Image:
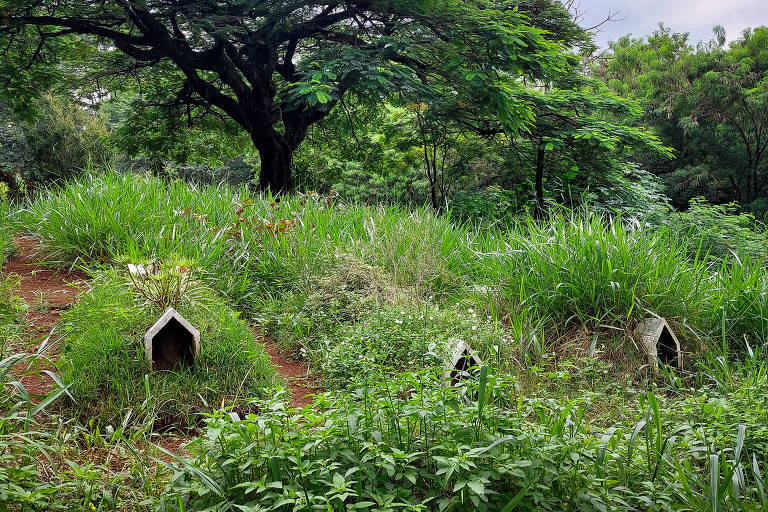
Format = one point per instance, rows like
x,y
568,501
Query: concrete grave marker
x,y
660,343
171,342
463,360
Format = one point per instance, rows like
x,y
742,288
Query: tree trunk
x,y
276,156
539,212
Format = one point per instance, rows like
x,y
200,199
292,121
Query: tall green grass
x,y
6,230
538,278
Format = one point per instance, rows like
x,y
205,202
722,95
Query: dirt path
x,y
48,293
296,374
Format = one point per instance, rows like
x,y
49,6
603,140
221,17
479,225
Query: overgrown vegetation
x,y
373,295
109,378
368,186
538,279
413,443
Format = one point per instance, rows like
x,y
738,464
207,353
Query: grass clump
x,y
45,469
104,364
7,245
12,309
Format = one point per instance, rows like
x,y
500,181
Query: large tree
x,y
709,102
277,66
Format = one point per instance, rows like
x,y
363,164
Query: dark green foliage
x,y
709,103
288,65
63,141
719,231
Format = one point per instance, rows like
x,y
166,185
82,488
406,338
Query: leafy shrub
x,y
104,364
64,140
406,444
491,205
720,231
395,339
413,443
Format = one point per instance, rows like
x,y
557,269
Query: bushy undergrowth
x,y
412,443
538,279
720,231
46,469
104,363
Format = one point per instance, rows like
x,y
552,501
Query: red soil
x,y
47,292
296,374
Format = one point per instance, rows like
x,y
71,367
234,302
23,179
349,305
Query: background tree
x,y
583,137
277,67
709,102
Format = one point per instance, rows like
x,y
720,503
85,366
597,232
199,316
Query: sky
x,y
697,17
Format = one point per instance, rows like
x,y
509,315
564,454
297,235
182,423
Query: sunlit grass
x,y
535,277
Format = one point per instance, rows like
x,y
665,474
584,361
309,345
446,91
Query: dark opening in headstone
x,y
172,346
660,343
666,349
464,363
172,342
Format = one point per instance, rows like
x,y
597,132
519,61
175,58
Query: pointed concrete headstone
x,y
660,343
462,360
171,342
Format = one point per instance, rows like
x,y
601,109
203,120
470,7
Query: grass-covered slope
x,y
105,367
567,416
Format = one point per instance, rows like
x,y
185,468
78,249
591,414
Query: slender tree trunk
x,y
539,212
756,180
748,187
276,157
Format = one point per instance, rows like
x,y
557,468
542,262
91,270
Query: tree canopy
x,y
710,102
275,67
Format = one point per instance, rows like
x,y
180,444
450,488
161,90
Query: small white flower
x,y
470,310
398,321
474,327
431,318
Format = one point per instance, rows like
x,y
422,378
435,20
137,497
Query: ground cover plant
x,y
412,443
104,365
45,467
